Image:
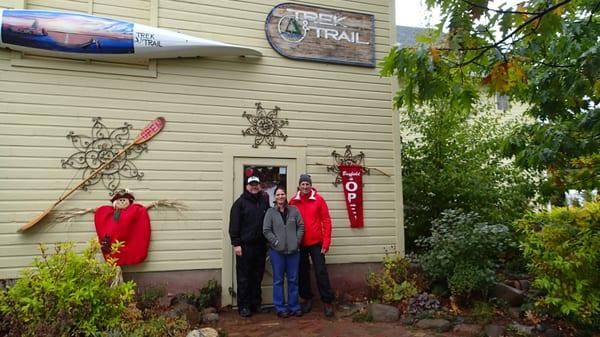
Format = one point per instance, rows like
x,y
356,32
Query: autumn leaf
x,y
435,54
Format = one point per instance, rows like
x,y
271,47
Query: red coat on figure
x,y
127,222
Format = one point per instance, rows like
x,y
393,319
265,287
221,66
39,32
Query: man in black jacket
x,y
249,245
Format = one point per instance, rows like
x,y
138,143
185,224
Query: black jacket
x,y
246,219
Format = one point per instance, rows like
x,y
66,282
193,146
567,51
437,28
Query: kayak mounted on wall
x,y
84,36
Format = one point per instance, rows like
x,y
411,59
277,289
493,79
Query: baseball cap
x,y
253,179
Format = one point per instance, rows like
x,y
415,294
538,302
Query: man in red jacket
x,y
315,243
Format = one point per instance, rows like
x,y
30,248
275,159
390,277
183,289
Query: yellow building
x,y
201,156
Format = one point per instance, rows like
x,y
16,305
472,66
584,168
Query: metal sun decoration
x,y
103,144
347,159
265,126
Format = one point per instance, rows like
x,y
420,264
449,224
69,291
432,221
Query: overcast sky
x,y
413,12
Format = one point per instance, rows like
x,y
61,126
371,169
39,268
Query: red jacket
x,y
317,221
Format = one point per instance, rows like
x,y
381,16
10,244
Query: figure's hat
x,y
124,193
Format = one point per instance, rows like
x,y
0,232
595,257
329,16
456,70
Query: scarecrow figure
x,y
123,221
126,222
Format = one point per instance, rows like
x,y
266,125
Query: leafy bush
x,y
455,162
463,250
149,297
423,303
158,325
563,248
468,278
483,312
66,294
210,295
392,284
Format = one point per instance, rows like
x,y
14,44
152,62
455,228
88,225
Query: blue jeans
x,y
285,266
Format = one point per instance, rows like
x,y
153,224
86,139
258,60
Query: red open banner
x,y
352,182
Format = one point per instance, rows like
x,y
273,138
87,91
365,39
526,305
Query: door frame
x,y
229,155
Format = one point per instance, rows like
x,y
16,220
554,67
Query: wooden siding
x,y
327,105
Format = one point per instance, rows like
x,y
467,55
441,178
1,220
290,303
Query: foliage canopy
x,y
544,53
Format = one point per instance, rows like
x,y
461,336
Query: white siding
x,y
328,106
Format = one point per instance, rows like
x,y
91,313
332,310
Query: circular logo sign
x,y
290,29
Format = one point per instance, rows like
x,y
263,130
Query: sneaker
x,y
297,313
245,312
283,314
307,306
328,310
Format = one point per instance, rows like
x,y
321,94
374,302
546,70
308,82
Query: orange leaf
x,y
435,54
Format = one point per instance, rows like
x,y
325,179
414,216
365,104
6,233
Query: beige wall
x,y
328,106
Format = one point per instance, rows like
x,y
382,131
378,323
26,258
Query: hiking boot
x,y
298,313
328,310
307,306
283,314
257,309
245,312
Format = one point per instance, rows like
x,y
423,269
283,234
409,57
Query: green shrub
x,y
66,294
483,312
453,161
468,278
149,297
154,326
392,284
463,251
210,295
563,249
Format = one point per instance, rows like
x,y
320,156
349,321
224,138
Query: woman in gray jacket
x,y
283,227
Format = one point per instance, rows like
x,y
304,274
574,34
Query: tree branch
x,y
501,11
516,30
593,11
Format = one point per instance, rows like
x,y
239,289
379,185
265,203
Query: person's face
x,y
305,187
122,203
280,197
253,188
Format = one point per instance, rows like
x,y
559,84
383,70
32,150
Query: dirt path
x,y
313,324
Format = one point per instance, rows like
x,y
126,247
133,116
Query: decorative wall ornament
x,y
347,159
265,126
100,153
95,150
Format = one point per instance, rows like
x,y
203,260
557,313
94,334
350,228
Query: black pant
x,y
250,268
318,261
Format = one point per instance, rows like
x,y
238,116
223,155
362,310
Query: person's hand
x,y
323,250
237,250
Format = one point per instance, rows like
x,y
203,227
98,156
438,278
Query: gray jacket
x,y
284,238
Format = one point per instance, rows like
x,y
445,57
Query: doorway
x,y
272,172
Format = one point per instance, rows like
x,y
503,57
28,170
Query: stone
x,y
184,310
494,330
209,310
347,310
512,296
522,329
551,332
383,312
434,324
467,330
210,317
204,332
